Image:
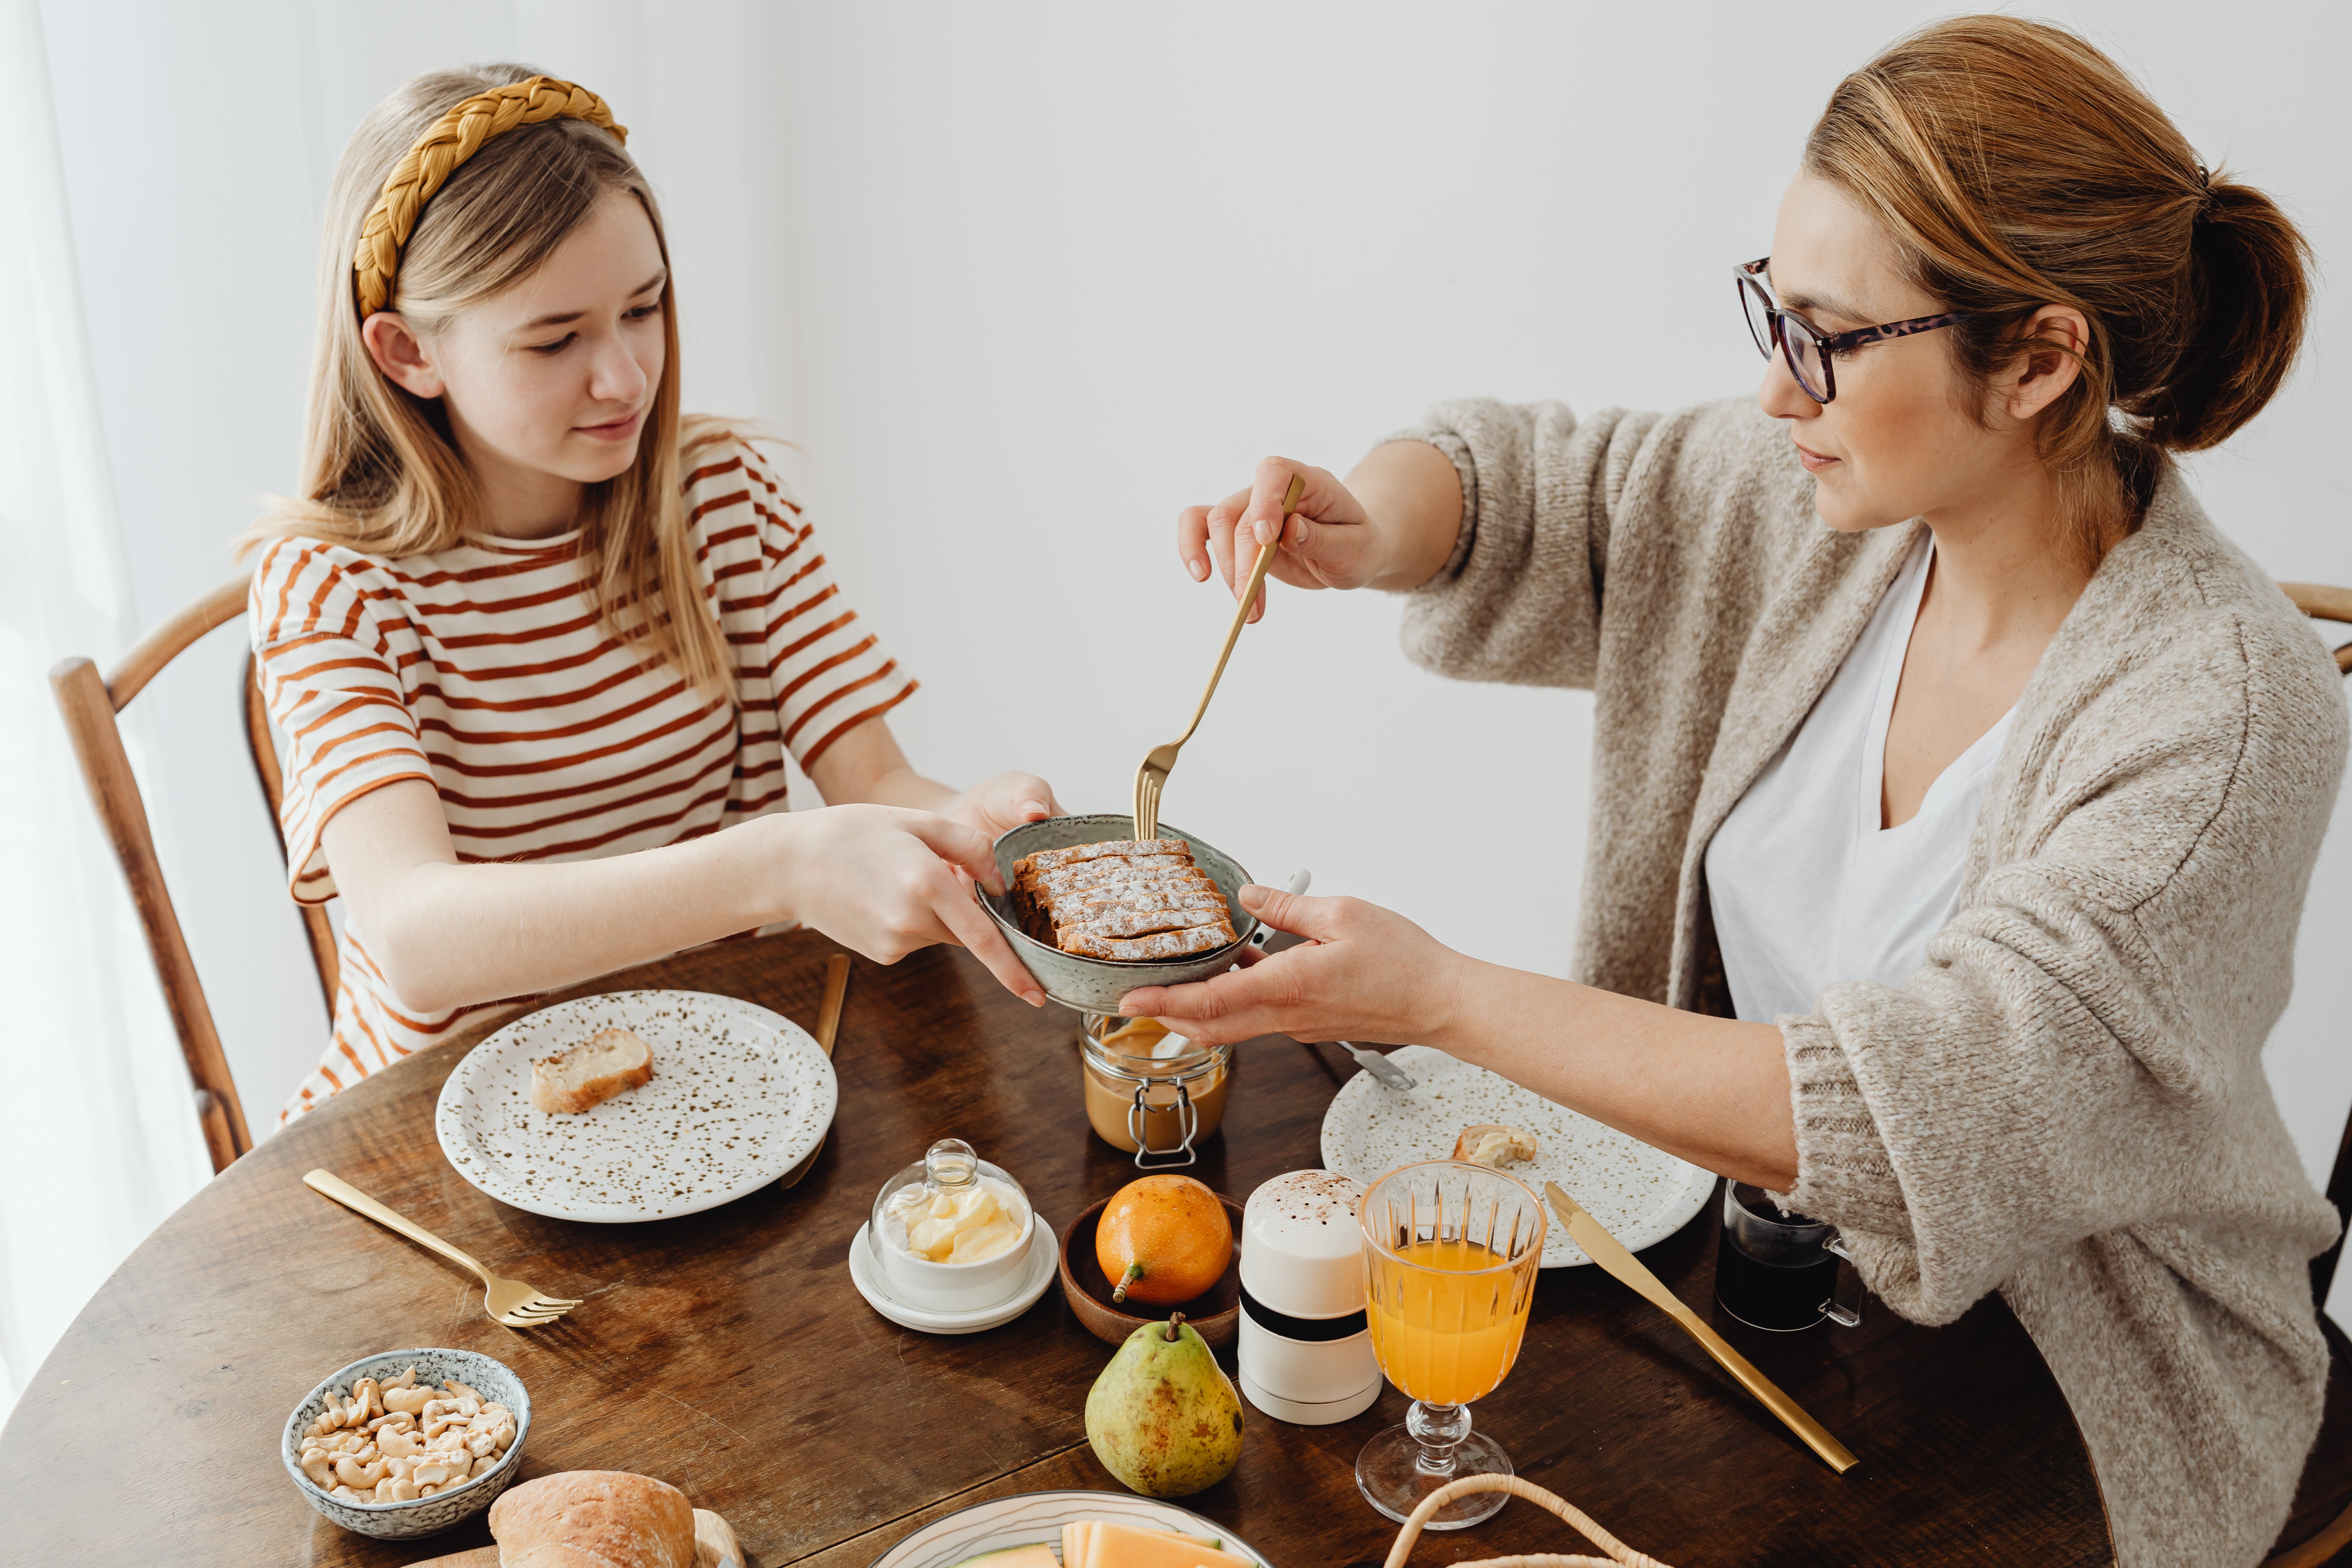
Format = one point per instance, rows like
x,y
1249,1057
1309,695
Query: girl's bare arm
x,y
882,872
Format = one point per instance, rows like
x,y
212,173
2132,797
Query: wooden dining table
x,y
728,1353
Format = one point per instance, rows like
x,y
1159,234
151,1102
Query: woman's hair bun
x,y
2250,292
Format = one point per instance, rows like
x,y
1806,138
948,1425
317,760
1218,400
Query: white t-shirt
x,y
1807,889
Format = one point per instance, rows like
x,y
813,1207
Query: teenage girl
x,y
539,645
1956,783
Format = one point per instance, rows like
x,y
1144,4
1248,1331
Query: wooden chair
x,y
90,706
2320,1528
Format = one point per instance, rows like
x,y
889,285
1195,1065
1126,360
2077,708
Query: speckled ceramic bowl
x,y
428,1515
1096,984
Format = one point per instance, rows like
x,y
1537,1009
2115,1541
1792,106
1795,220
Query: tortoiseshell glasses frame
x,y
1809,350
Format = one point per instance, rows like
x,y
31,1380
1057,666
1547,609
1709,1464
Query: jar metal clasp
x,y
1147,1158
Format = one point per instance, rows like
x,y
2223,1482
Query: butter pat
x,y
984,1220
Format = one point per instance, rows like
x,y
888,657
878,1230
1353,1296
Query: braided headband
x,y
456,137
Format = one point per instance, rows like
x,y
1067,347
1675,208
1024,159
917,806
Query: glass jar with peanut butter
x,y
1158,1096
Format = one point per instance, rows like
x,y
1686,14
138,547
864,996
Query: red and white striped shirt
x,y
485,670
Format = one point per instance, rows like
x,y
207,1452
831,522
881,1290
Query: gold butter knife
x,y
1610,1253
828,1022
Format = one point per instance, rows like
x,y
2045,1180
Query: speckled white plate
x,y
1030,1517
738,1096
1640,1195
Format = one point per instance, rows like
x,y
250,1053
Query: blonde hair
x,y
2017,166
379,470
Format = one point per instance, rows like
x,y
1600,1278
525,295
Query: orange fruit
x,y
1163,1240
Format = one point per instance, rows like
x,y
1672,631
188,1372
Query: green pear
x,y
1163,1417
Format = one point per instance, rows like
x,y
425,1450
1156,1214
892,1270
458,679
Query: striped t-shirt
x,y
485,670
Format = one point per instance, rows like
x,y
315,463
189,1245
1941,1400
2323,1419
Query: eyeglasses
x,y
1809,350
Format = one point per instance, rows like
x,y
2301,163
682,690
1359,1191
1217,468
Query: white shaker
x,y
1305,1353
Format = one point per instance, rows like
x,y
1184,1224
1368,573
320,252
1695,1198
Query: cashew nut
x,y
405,1380
315,1465
399,1443
491,1434
408,1401
352,1473
461,1391
438,1471
368,1395
349,1496
397,1490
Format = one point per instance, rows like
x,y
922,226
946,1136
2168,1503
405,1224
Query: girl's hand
x,y
1331,541
995,805
885,880
1366,973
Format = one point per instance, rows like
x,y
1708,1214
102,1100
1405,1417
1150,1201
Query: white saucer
x,y
1044,1253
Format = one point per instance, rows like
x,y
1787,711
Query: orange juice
x,y
1446,1317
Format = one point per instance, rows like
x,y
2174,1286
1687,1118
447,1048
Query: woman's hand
x,y
1391,525
886,880
995,805
1330,541
1365,974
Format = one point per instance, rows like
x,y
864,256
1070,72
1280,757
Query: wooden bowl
x,y
1216,1315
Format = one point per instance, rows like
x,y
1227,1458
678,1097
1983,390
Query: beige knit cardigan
x,y
2067,1102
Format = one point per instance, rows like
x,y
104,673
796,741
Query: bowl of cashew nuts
x,y
408,1443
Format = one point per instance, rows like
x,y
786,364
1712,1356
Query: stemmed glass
x,y
1450,1257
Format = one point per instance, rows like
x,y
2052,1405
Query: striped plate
x,y
1031,1516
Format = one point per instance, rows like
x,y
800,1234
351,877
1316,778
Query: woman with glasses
x,y
1956,783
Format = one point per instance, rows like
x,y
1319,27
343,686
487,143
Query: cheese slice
x,y
1124,1546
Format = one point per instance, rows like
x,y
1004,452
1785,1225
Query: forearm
x,y
1714,1091
866,766
446,934
1411,493
902,785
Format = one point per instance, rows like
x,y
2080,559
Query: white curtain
x,y
164,309
98,1133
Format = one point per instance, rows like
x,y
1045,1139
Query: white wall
x,y
1024,280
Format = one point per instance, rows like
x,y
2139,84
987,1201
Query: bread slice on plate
x,y
1488,1144
610,1062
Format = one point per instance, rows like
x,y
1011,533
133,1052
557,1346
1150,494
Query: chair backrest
x,y
2322,602
90,705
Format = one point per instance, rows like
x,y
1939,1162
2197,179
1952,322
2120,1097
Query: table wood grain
x,y
727,1352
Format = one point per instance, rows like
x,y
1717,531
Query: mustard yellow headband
x,y
456,137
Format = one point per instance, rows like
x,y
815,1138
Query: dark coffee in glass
x,y
1773,1270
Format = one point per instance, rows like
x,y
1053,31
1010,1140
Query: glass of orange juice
x,y
1450,1257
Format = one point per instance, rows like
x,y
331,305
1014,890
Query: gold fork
x,y
509,1301
1152,776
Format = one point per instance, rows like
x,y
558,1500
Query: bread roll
x,y
593,1518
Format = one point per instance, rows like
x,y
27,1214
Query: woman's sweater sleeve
x,y
1519,600
2085,1006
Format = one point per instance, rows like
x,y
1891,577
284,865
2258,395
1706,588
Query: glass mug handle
x,y
1844,1317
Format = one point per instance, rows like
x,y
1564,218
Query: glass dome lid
x,y
950,1207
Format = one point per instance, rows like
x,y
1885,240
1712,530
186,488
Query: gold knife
x,y
1610,1253
829,1021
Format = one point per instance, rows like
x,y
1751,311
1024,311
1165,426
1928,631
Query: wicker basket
x,y
1620,1554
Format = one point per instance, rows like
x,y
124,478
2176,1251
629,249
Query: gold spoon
x,y
1152,776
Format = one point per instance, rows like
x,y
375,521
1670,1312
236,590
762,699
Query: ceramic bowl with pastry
x,y
1093,914
408,1443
